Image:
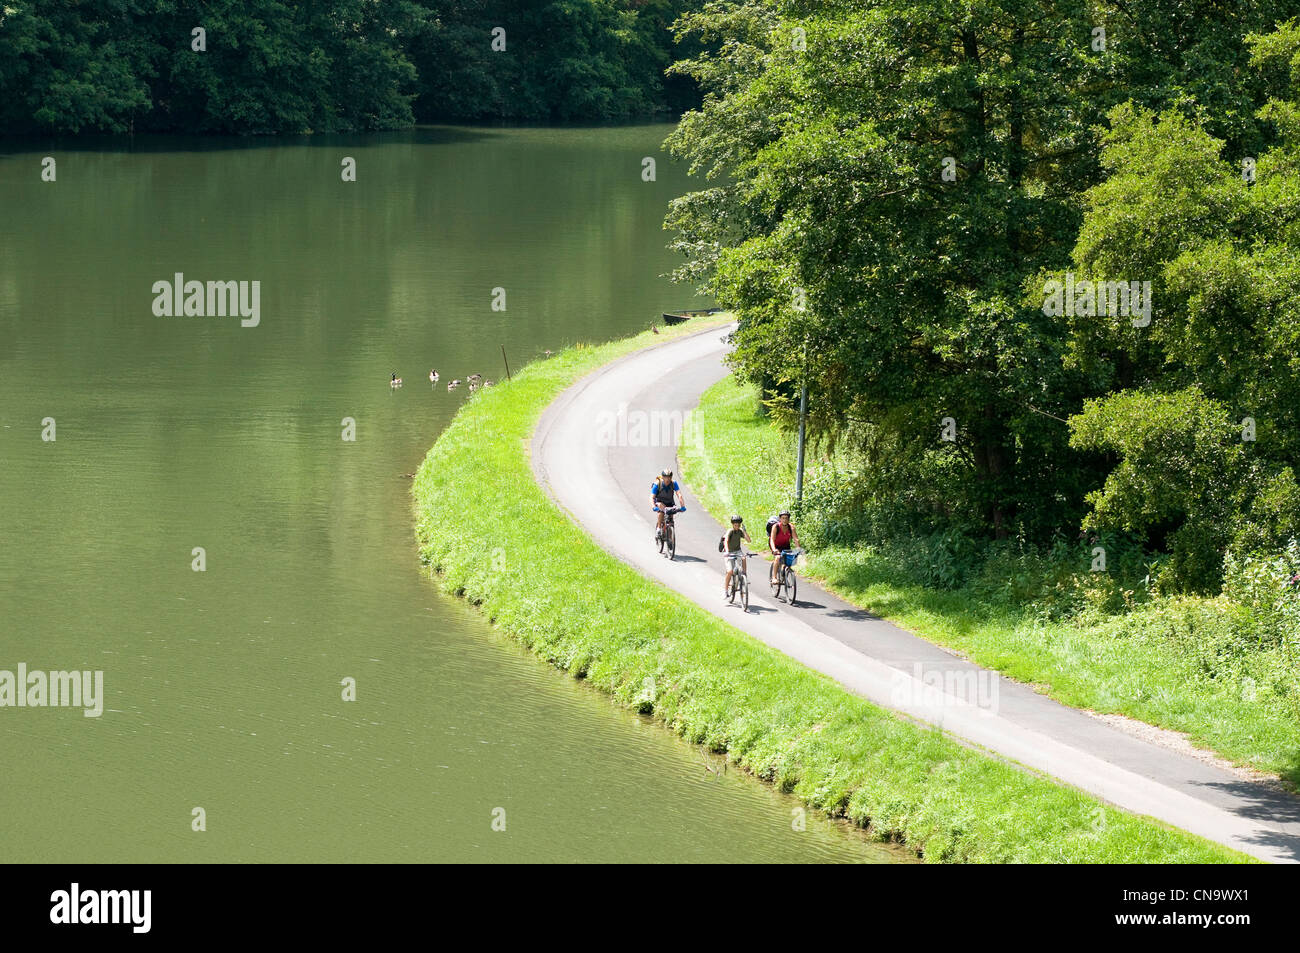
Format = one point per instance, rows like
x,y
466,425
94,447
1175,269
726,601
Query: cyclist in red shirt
x,y
781,539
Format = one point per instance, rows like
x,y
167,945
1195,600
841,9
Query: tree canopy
x,y
894,187
324,65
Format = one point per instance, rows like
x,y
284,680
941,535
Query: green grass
x,y
490,534
1167,663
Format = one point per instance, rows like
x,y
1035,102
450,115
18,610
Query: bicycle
x,y
739,578
667,538
785,577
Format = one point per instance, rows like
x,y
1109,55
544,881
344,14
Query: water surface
x,y
223,686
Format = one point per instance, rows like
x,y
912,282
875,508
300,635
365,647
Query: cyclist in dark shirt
x,y
735,535
665,492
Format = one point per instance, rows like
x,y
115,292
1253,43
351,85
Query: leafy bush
x,y
1231,648
1186,483
1266,585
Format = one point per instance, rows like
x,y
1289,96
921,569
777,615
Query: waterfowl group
x,y
475,381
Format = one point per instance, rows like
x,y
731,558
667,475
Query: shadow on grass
x,y
1291,771
856,574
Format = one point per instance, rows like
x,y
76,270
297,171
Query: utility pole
x,y
803,423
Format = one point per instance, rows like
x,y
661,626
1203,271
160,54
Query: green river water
x,y
222,687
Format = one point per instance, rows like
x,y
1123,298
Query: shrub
x,y
1265,586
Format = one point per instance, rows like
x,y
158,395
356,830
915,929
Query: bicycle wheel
x,y
792,581
671,535
744,593
731,590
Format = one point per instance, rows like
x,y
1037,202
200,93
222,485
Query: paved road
x,y
582,455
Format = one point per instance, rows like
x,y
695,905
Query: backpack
x,y
772,521
722,544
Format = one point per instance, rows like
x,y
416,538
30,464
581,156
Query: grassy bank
x,y
1193,665
490,534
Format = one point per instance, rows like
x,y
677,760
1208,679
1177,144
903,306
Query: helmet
x,y
737,519
783,513
665,472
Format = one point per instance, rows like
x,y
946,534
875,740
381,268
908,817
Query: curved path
x,y
581,457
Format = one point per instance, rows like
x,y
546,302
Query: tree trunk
x,y
992,464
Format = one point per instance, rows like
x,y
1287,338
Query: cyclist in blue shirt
x,y
665,492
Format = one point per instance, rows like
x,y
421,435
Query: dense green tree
x,y
1189,55
319,65
907,165
1200,409
1185,481
904,295
287,66
63,69
563,59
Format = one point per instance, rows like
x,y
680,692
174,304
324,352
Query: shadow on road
x,y
855,615
1265,803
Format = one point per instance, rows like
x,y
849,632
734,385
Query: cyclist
x,y
663,493
734,537
780,539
